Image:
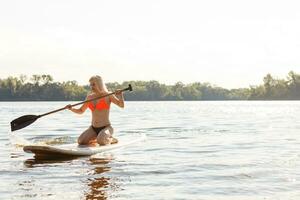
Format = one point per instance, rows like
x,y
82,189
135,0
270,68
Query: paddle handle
x,y
76,104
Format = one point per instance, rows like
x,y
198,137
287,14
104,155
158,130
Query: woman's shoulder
x,y
90,96
104,93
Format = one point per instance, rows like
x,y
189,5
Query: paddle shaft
x,y
76,104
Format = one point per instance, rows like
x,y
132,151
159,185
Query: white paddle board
x,y
75,150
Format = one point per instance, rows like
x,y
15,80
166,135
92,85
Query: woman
x,y
100,131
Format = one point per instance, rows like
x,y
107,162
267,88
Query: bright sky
x,y
232,43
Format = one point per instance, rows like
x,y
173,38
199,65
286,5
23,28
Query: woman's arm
x,y
80,110
118,99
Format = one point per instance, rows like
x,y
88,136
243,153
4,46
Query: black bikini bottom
x,y
98,129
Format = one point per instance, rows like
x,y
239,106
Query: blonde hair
x,y
99,81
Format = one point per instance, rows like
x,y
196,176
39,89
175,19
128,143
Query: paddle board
x,y
75,150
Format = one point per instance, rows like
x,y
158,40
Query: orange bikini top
x,y
101,105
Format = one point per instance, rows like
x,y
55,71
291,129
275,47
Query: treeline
x,y
44,88
277,89
39,88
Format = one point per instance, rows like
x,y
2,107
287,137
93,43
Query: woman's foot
x,y
114,140
93,143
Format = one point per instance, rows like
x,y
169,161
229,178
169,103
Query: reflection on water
x,y
34,162
97,186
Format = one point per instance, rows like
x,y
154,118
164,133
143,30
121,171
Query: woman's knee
x,y
81,141
103,139
86,137
105,136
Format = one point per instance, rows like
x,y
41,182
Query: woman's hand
x,y
69,106
118,98
118,92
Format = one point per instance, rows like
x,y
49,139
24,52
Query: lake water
x,y
194,150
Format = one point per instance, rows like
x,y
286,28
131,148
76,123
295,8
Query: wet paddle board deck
x,y
75,150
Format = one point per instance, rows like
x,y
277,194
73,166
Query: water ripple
x,y
195,150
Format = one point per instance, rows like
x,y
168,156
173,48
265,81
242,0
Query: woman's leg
x,y
105,136
87,137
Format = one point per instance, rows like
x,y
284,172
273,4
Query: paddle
x,y
26,120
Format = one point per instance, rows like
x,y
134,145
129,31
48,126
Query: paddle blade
x,y
22,122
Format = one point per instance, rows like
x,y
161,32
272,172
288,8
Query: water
x,y
194,150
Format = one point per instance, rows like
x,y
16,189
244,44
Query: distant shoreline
x,y
44,88
154,100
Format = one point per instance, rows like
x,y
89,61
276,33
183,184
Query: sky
x,y
232,43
